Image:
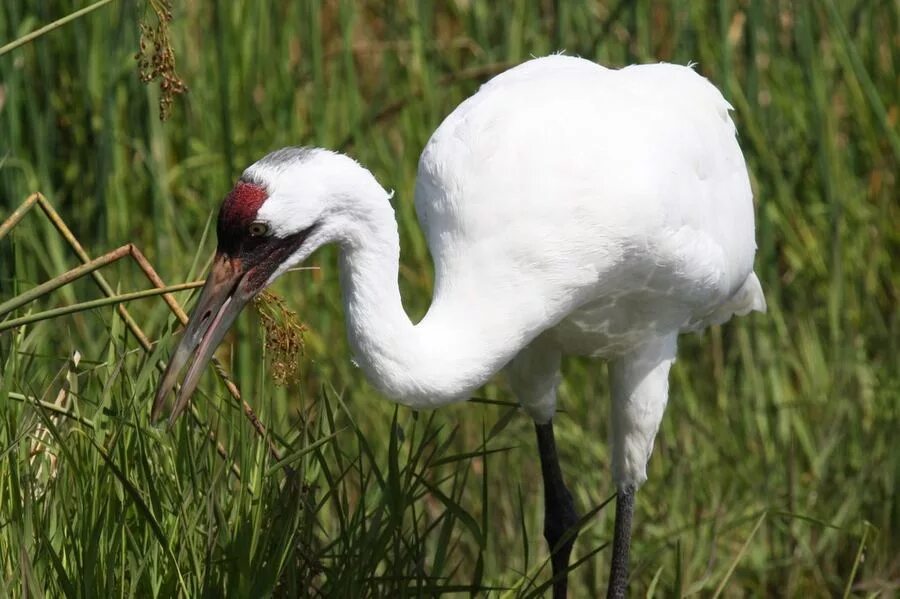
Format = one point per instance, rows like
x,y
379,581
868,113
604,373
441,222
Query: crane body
x,y
569,209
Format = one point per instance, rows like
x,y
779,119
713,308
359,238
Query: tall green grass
x,y
776,466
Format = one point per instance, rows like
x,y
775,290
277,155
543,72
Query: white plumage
x,y
569,209
607,210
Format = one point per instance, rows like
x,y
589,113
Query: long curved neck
x,y
454,350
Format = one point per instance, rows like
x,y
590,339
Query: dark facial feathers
x,y
237,213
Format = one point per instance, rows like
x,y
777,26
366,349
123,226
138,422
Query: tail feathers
x,y
748,298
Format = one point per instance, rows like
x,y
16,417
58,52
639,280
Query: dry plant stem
x,y
90,305
154,278
29,37
63,279
50,407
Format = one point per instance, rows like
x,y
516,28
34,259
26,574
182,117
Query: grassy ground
x,y
776,466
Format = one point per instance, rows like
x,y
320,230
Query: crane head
x,y
282,209
249,256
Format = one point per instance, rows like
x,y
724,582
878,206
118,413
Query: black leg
x,y
560,516
618,570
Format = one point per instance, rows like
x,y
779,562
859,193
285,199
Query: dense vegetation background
x,y
776,466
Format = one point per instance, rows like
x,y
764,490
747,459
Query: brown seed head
x,y
284,337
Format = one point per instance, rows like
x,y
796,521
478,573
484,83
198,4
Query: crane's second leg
x,y
560,517
640,390
618,569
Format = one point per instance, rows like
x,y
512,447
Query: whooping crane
x,y
568,208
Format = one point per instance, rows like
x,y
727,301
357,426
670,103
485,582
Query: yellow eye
x,y
258,229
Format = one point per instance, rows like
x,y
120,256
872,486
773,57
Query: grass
x,y
776,465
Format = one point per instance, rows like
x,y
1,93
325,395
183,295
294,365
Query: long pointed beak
x,y
220,302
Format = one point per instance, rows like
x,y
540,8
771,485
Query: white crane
x,y
568,208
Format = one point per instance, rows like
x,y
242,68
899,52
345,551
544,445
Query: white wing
x,y
563,182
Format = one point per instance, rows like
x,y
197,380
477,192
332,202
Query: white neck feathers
x,y
440,360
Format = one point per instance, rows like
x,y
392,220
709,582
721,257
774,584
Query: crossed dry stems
x,y
92,267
